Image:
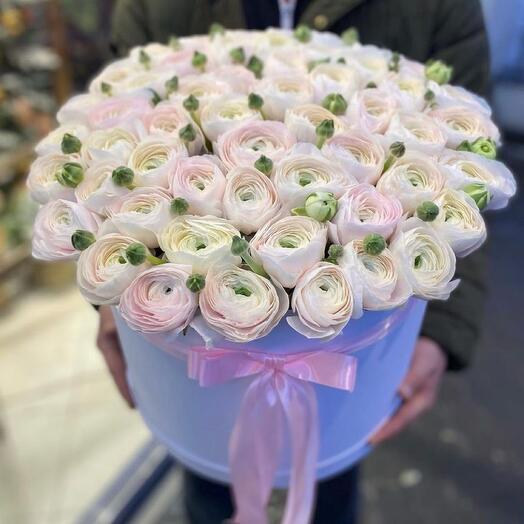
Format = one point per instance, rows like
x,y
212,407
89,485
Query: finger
x,y
407,413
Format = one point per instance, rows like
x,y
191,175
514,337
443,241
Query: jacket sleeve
x,y
128,26
460,40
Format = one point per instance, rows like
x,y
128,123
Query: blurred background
x,y
70,451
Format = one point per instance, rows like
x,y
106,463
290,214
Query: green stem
x,y
320,142
389,162
256,268
155,261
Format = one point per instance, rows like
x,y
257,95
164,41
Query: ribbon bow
x,y
280,396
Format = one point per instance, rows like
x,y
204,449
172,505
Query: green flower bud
x,y
187,133
394,63
350,36
302,33
174,43
82,239
429,95
335,251
255,101
396,150
199,60
171,85
324,131
371,85
179,206
321,206
155,97
70,175
136,253
106,88
70,144
239,246
256,66
335,103
196,283
428,211
314,63
341,60
479,193
264,164
439,72
374,244
216,29
238,55
191,103
485,147
144,59
123,176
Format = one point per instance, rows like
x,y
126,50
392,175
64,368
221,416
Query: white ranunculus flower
x,y
54,225
77,109
379,278
408,89
372,110
427,260
225,113
42,182
372,61
239,78
243,145
448,95
464,124
418,132
459,222
158,300
250,199
199,242
303,120
284,92
201,182
462,168
103,272
97,191
359,153
112,80
152,157
204,87
241,305
334,78
304,171
52,142
363,210
288,247
413,179
322,301
119,110
140,214
114,143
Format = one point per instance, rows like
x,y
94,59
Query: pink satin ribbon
x,y
281,396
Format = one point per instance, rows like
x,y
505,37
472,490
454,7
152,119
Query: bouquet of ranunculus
x,y
234,176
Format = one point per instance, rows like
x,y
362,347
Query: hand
x,y
109,344
418,390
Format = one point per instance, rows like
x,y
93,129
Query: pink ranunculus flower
x,y
52,142
140,214
250,199
243,145
371,109
323,302
77,109
241,305
303,120
363,210
158,300
288,247
334,78
359,153
200,180
103,271
114,143
54,225
118,110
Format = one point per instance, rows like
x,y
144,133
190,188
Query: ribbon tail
x,y
254,450
299,402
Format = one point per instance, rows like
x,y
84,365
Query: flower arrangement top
x,y
229,180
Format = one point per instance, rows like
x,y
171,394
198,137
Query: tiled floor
x,y
64,432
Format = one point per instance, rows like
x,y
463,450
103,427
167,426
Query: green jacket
x,y
452,30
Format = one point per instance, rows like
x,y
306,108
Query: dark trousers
x,y
207,502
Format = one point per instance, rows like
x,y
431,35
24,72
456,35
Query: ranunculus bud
x,y
371,85
174,43
70,144
238,55
439,72
144,59
350,36
428,211
123,176
335,103
256,66
374,244
188,133
171,85
136,253
324,131
70,175
479,193
196,282
302,33
485,147
335,251
191,103
106,88
199,61
179,206
216,29
396,150
264,164
255,101
321,206
240,248
394,63
82,239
